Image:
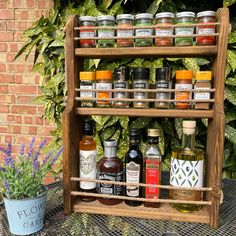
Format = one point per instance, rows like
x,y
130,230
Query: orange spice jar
x,y
183,81
104,82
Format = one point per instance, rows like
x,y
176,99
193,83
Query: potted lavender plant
x,y
23,191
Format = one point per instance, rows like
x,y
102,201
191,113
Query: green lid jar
x,y
185,17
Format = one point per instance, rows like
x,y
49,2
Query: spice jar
x,y
87,34
140,81
87,81
123,21
204,18
164,19
121,81
163,81
104,82
185,17
103,22
183,81
202,81
143,19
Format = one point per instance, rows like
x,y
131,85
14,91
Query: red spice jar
x,y
203,18
87,34
164,19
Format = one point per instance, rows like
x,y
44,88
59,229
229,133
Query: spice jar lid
x,y
185,14
141,73
103,74
154,132
87,75
143,16
106,17
163,73
184,74
203,75
87,18
124,17
121,73
206,13
165,14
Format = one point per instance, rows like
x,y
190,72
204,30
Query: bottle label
x,y
87,34
85,94
143,32
186,173
132,176
152,173
87,168
201,96
184,31
110,188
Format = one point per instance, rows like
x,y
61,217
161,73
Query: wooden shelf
x,y
145,112
187,51
165,212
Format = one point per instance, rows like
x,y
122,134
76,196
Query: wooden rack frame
x,y
215,138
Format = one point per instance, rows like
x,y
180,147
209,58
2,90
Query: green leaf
x,y
230,133
136,63
232,37
178,127
228,3
107,133
105,4
89,4
153,8
231,81
191,64
111,121
57,43
99,147
202,61
115,8
231,58
230,116
141,122
116,135
230,94
101,120
124,121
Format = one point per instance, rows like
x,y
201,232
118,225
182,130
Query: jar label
x,y
164,31
202,95
207,31
132,176
106,33
85,94
87,168
143,32
183,31
140,85
110,188
121,85
183,95
162,95
106,94
87,34
152,174
185,173
124,33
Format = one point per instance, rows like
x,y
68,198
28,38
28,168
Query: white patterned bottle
x,y
187,170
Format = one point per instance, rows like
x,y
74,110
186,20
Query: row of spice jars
x,y
104,81
165,19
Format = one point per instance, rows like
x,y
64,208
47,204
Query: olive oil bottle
x,y
187,168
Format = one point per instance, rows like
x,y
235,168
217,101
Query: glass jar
x,y
87,34
103,22
185,17
163,81
123,21
164,19
204,18
140,81
183,81
121,81
87,81
143,19
104,82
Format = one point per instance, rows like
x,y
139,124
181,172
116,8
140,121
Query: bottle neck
x,y
188,141
110,152
134,144
153,140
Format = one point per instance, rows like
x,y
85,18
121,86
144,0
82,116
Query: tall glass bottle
x,y
152,167
87,160
133,168
187,167
110,168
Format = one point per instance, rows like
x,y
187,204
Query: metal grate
x,y
118,226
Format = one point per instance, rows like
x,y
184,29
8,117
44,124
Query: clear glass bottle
x,y
152,167
106,21
143,19
110,168
123,21
185,17
133,167
87,160
187,170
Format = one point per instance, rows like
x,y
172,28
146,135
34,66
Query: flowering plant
x,y
23,176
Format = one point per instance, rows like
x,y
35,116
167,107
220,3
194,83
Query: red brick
x,y
6,36
6,99
3,4
14,47
3,26
8,139
11,118
19,37
10,57
18,119
24,139
6,14
4,109
16,129
7,78
11,26
25,99
11,68
4,129
41,109
39,121
23,89
3,47
28,120
32,130
2,68
31,3
23,15
21,109
44,131
4,89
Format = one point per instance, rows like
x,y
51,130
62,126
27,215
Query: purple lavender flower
x,y
2,169
4,150
6,184
9,149
22,149
35,165
31,148
9,161
47,157
54,159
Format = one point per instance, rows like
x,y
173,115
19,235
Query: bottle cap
x,y
88,126
121,73
184,74
87,75
103,74
153,132
206,13
185,14
189,126
164,73
110,143
203,75
141,73
165,14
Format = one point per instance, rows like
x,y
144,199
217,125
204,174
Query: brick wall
x,y
20,119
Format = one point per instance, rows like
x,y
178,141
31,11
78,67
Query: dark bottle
x,y
110,168
133,168
152,167
87,160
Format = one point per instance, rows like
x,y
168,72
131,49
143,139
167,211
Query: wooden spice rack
x,y
73,113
